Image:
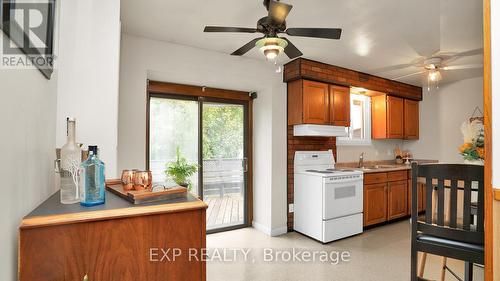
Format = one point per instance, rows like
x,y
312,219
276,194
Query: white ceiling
x,y
377,34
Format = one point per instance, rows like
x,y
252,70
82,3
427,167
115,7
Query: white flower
x,y
472,130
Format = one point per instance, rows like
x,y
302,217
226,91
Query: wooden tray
x,y
140,197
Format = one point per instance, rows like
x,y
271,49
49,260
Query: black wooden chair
x,y
459,240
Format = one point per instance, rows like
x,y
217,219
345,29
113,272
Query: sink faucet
x,y
361,157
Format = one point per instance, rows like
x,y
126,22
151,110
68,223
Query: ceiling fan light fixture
x,y
434,75
271,47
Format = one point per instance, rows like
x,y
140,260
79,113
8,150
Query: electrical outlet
x,y
290,208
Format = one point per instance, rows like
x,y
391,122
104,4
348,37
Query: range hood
x,y
319,131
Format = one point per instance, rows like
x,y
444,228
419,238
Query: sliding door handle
x,y
244,164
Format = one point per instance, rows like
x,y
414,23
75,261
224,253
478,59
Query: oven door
x,y
342,197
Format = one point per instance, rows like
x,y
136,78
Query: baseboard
x,y
267,230
279,231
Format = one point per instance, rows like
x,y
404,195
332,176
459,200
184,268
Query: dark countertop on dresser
x,y
53,212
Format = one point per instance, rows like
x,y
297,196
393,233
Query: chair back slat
x,y
453,204
440,203
428,201
444,183
480,211
467,204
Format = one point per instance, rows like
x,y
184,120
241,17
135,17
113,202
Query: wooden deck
x,y
224,211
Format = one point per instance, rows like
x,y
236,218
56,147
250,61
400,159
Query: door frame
x,y
205,94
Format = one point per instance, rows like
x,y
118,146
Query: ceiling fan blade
x,y
408,75
247,47
464,66
391,68
474,52
291,51
450,56
278,11
327,33
229,29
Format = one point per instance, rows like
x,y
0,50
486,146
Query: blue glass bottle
x,y
92,189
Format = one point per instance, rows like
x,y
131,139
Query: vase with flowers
x,y
473,147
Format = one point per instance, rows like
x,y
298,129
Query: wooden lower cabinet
x,y
375,203
385,196
397,199
121,249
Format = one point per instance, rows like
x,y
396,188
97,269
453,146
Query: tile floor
x,y
382,253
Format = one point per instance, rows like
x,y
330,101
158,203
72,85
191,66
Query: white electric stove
x,y
328,202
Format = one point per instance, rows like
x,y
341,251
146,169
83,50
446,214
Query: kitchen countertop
x,y
396,167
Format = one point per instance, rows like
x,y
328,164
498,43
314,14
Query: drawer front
x,y
342,227
371,178
397,175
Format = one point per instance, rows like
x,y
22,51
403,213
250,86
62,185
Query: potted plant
x,y
180,170
473,148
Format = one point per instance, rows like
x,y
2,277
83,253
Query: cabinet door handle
x,y
86,278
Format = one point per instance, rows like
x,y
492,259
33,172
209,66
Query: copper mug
x,y
143,180
128,179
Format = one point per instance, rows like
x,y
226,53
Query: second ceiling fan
x,y
270,44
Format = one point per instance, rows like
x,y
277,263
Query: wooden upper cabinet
x,y
388,117
411,119
379,117
395,117
340,106
308,103
316,103
311,102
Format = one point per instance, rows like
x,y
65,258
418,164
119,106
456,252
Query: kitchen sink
x,y
375,167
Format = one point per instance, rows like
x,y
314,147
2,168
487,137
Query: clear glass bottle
x,y
71,158
92,189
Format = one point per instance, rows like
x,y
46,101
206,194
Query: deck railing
x,y
220,176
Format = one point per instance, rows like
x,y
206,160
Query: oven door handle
x,y
331,181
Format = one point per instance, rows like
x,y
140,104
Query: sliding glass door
x,y
224,163
211,134
173,131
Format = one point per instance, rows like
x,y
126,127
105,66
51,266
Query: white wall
x,y
27,123
279,158
495,116
441,116
377,150
143,59
495,72
88,64
84,84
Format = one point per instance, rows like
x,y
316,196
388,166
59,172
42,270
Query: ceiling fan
x,y
270,44
436,63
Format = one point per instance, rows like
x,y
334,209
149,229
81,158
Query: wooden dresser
x,y
115,241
